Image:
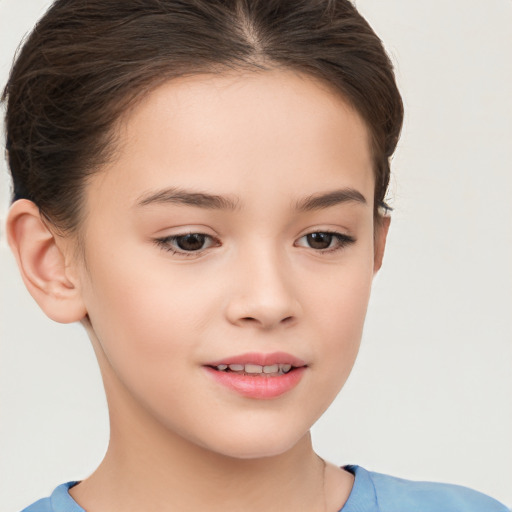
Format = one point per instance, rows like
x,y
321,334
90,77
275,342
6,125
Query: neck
x,y
178,476
192,479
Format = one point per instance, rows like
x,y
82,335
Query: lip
x,y
259,387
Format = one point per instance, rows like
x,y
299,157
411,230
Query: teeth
x,y
256,369
253,368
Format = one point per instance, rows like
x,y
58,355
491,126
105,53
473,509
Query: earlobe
x,y
381,233
42,264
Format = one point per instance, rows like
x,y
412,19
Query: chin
x,y
256,444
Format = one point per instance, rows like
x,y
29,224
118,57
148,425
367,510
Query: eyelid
x,y
165,243
343,239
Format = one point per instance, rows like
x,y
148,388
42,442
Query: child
x,y
201,184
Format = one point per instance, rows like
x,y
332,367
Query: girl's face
x,y
235,227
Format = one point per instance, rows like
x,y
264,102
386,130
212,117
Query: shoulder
x,y
59,501
398,495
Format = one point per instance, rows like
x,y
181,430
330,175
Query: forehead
x,y
233,132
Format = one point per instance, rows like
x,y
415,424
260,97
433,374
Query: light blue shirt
x,y
372,492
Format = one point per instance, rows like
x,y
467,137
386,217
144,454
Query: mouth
x,y
258,376
256,370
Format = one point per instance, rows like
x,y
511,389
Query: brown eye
x,y
319,240
191,242
325,241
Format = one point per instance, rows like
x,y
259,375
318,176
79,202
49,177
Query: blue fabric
x,y
59,501
372,492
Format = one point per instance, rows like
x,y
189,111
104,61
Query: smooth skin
x,y
158,306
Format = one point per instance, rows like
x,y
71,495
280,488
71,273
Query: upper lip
x,y
260,359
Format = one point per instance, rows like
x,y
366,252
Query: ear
x,y
381,232
43,263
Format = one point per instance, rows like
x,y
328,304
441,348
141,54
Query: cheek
x,y
141,313
145,336
339,310
339,294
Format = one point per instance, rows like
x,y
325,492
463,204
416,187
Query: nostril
x,y
285,320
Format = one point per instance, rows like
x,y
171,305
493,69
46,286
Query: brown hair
x,y
86,61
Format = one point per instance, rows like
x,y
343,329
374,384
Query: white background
x,y
431,394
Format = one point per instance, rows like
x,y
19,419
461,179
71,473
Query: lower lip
x,y
260,387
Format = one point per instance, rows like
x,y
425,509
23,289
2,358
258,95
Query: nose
x,y
262,292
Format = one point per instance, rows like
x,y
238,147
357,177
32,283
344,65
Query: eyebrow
x,y
189,198
216,202
328,199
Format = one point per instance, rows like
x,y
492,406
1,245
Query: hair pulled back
x,y
87,61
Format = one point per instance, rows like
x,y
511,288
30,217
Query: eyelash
x,y
342,241
165,242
